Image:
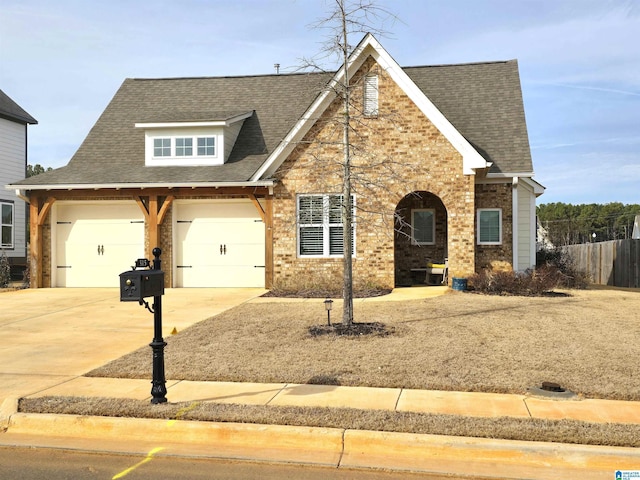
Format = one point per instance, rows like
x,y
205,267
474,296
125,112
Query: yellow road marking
x,y
147,459
182,411
150,455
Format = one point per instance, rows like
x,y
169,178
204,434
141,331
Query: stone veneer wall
x,y
403,152
497,257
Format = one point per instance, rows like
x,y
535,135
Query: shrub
x,y
5,271
560,259
329,286
26,276
530,283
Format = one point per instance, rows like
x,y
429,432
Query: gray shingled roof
x,y
10,110
483,101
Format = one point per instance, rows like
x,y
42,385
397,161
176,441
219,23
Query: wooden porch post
x,y
35,245
38,210
153,225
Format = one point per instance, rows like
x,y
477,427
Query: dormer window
x,y
161,147
207,146
191,143
184,147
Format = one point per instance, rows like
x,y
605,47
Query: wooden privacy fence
x,y
615,263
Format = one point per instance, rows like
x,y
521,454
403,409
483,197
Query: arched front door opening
x,y
420,236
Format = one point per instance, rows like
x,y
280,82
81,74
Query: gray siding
x,y
13,138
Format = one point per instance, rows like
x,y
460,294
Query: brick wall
x,y
400,152
497,257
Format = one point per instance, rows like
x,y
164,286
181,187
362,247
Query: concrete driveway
x,y
50,336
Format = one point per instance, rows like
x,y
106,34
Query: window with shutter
x,y
320,230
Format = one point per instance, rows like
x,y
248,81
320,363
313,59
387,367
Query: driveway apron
x,y
50,336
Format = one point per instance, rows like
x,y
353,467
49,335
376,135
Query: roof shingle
x,y
482,100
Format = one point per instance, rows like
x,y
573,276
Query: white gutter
x,y
509,175
143,186
21,192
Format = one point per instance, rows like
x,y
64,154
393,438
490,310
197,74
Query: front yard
x,y
587,341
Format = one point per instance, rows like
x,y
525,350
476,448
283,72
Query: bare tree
x,y
345,19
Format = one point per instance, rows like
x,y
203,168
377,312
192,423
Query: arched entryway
x,y
420,235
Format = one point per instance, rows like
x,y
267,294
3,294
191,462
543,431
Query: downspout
x,y
514,222
27,210
533,233
21,194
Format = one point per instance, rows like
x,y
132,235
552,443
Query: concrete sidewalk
x,y
333,447
364,398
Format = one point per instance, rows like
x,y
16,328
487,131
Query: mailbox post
x,y
136,285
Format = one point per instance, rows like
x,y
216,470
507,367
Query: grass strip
x,y
507,428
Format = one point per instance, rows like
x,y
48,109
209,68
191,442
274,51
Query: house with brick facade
x,y
238,179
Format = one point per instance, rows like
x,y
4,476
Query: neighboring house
x,y
233,178
543,242
13,167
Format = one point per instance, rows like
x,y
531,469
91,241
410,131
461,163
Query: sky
x,y
579,66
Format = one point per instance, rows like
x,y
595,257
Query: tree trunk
x,y
347,209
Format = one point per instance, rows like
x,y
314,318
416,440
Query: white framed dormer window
x,y
423,226
181,148
161,147
184,147
6,214
320,229
370,95
207,146
489,226
191,143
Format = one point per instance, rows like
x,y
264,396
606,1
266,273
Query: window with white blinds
x,y
320,229
371,95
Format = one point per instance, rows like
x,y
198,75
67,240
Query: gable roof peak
x,y
10,110
369,46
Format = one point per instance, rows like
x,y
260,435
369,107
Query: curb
x,y
487,458
8,408
338,448
273,443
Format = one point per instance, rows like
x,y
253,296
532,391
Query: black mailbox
x,y
138,284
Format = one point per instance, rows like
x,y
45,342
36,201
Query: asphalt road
x,y
51,464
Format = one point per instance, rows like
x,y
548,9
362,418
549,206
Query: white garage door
x,y
96,242
218,244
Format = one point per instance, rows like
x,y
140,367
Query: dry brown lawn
x,y
587,341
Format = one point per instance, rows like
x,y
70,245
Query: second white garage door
x,y
218,244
